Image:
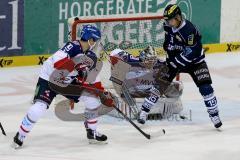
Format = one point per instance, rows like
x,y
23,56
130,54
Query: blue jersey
x,y
133,61
126,57
72,48
183,45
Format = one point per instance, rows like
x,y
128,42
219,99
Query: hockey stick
x,y
92,88
3,132
130,101
148,136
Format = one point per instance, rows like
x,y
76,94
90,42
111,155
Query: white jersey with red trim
x,y
71,52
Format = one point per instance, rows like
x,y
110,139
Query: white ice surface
x,y
53,139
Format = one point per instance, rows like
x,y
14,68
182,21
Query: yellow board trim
x,y
222,47
16,61
32,60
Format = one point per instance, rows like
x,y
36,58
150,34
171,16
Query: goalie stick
x,y
148,136
3,132
130,101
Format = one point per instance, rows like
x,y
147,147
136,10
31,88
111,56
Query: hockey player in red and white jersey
x,y
66,58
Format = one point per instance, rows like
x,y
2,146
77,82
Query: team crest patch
x,y
190,39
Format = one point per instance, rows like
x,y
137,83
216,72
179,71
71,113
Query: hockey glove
x,y
182,60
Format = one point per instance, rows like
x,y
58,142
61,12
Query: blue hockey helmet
x,y
90,31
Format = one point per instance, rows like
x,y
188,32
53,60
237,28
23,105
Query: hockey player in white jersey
x,y
44,94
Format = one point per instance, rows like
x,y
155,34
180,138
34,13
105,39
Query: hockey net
x,y
132,34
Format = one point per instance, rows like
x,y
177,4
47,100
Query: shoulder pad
x,y
93,56
72,48
189,33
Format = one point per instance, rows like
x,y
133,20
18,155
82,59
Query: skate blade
x,y
219,129
15,146
94,141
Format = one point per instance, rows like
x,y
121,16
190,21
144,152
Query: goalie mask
x,y
148,57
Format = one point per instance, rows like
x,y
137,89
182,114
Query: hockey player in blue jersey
x,y
184,55
44,94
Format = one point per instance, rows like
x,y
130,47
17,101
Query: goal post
x,y
132,34
102,20
129,33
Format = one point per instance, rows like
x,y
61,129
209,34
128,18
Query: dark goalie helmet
x,y
171,11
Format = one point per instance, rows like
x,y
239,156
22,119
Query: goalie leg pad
x,y
151,100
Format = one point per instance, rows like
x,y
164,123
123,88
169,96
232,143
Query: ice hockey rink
x,y
192,139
